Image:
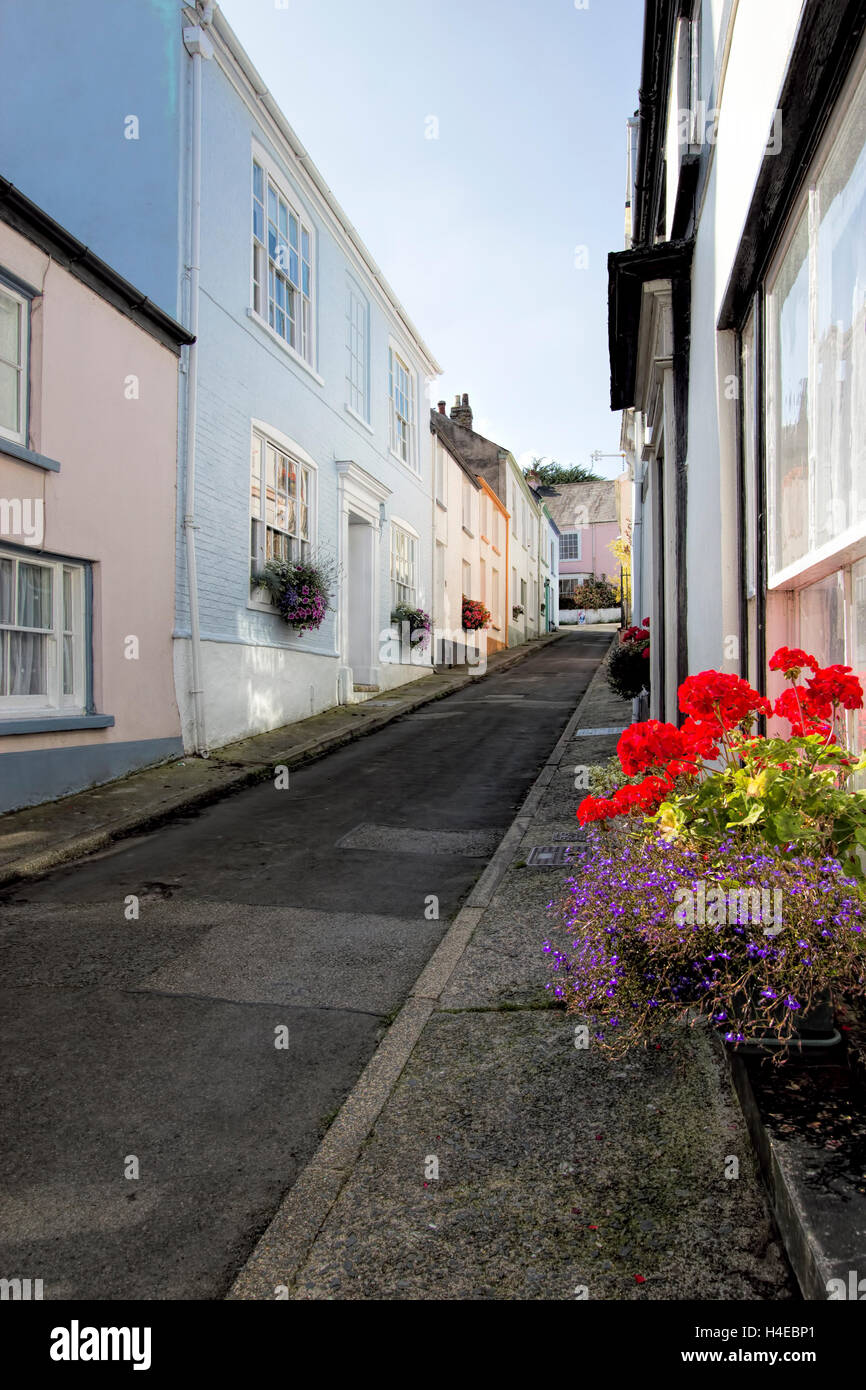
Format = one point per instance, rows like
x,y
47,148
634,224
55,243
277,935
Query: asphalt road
x,y
205,1043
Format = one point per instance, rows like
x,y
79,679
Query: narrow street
x,y
206,1043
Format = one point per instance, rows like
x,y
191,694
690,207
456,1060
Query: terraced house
x,y
302,424
738,336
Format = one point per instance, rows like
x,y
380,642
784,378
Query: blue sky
x,y
476,230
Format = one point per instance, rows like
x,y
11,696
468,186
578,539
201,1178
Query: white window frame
x,y
54,700
306,475
468,519
402,428
357,351
568,536
264,266
403,566
20,366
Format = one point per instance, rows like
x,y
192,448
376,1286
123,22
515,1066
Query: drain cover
x,y
550,856
593,733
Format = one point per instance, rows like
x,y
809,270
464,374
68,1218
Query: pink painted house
x,y
88,455
586,516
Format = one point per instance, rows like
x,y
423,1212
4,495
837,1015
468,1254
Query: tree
x,y
553,472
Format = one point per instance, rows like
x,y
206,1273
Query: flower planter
x,y
815,1035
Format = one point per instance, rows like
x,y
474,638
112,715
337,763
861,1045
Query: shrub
x,y
596,593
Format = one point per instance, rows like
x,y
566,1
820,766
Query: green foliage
x,y
596,593
792,794
551,473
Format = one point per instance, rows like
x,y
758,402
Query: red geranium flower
x,y
791,660
833,685
723,700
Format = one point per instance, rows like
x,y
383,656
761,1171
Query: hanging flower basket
x,y
300,589
419,622
475,615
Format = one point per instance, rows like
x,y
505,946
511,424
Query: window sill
x,y
469,533
360,419
17,451
443,506
286,347
55,723
415,472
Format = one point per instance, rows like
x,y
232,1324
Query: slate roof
x,y
563,499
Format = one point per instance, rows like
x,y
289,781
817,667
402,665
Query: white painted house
x,y
738,332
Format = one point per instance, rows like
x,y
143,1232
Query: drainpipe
x,y
199,46
638,467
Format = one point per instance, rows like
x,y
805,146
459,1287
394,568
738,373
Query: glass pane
x,y
272,205
858,641
822,619
272,241
258,221
748,447
28,664
306,284
788,404
293,231
839,392
34,596
68,601
258,181
9,415
305,244
293,267
7,591
68,665
284,216
10,311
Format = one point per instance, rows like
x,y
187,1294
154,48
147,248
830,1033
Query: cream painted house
x,y
513,529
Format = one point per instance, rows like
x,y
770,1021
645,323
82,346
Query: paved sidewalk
x,y
38,838
482,1156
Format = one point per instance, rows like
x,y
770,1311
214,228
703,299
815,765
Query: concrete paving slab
x,y
321,960
556,1170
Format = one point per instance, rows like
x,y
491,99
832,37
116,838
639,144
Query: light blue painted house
x,y
150,135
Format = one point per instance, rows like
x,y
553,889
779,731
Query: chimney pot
x,y
441,405
461,411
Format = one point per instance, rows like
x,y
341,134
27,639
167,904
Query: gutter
x,y
18,212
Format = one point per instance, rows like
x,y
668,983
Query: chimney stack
x,y
441,405
461,411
